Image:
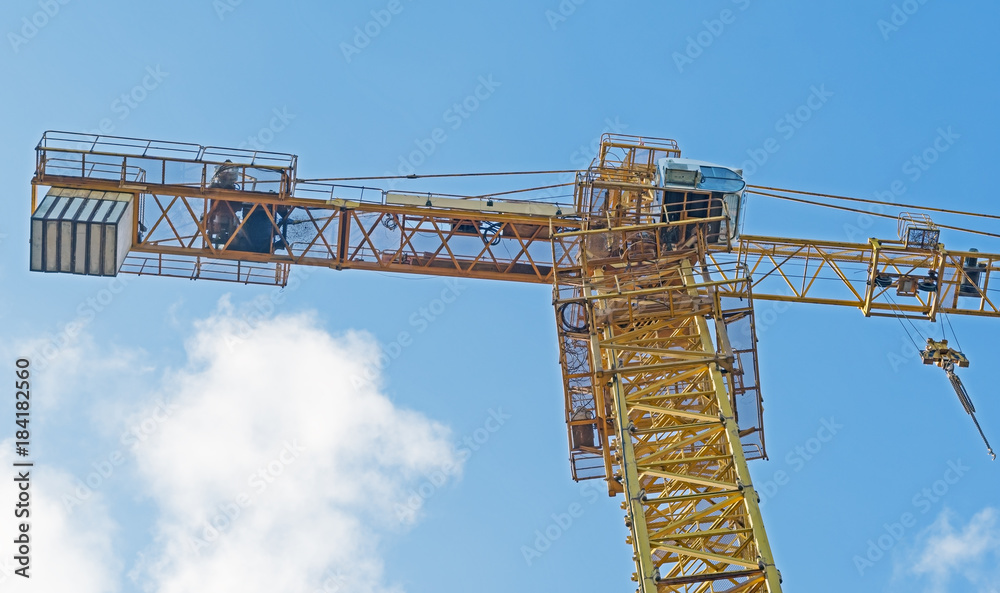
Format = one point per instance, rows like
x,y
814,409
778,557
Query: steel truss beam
x,y
663,412
652,381
867,275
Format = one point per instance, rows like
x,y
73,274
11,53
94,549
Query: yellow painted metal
x,y
650,375
750,498
343,232
837,273
675,448
660,405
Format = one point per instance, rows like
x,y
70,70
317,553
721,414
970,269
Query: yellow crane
x,y
653,293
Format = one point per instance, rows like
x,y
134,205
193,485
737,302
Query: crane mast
x,y
653,291
639,291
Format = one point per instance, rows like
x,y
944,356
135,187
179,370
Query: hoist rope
x,y
441,175
859,211
899,317
880,202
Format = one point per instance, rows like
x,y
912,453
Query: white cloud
x,y
947,555
279,469
68,552
69,367
339,463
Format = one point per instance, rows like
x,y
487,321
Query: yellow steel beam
x,y
743,471
794,270
670,448
648,407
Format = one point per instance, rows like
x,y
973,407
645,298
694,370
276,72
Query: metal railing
x,y
133,160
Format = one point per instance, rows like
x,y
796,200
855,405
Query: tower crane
x,y
653,282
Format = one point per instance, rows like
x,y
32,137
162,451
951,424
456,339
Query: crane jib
x,y
653,291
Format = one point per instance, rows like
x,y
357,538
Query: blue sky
x,y
230,379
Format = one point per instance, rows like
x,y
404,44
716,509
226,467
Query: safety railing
x,y
133,160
